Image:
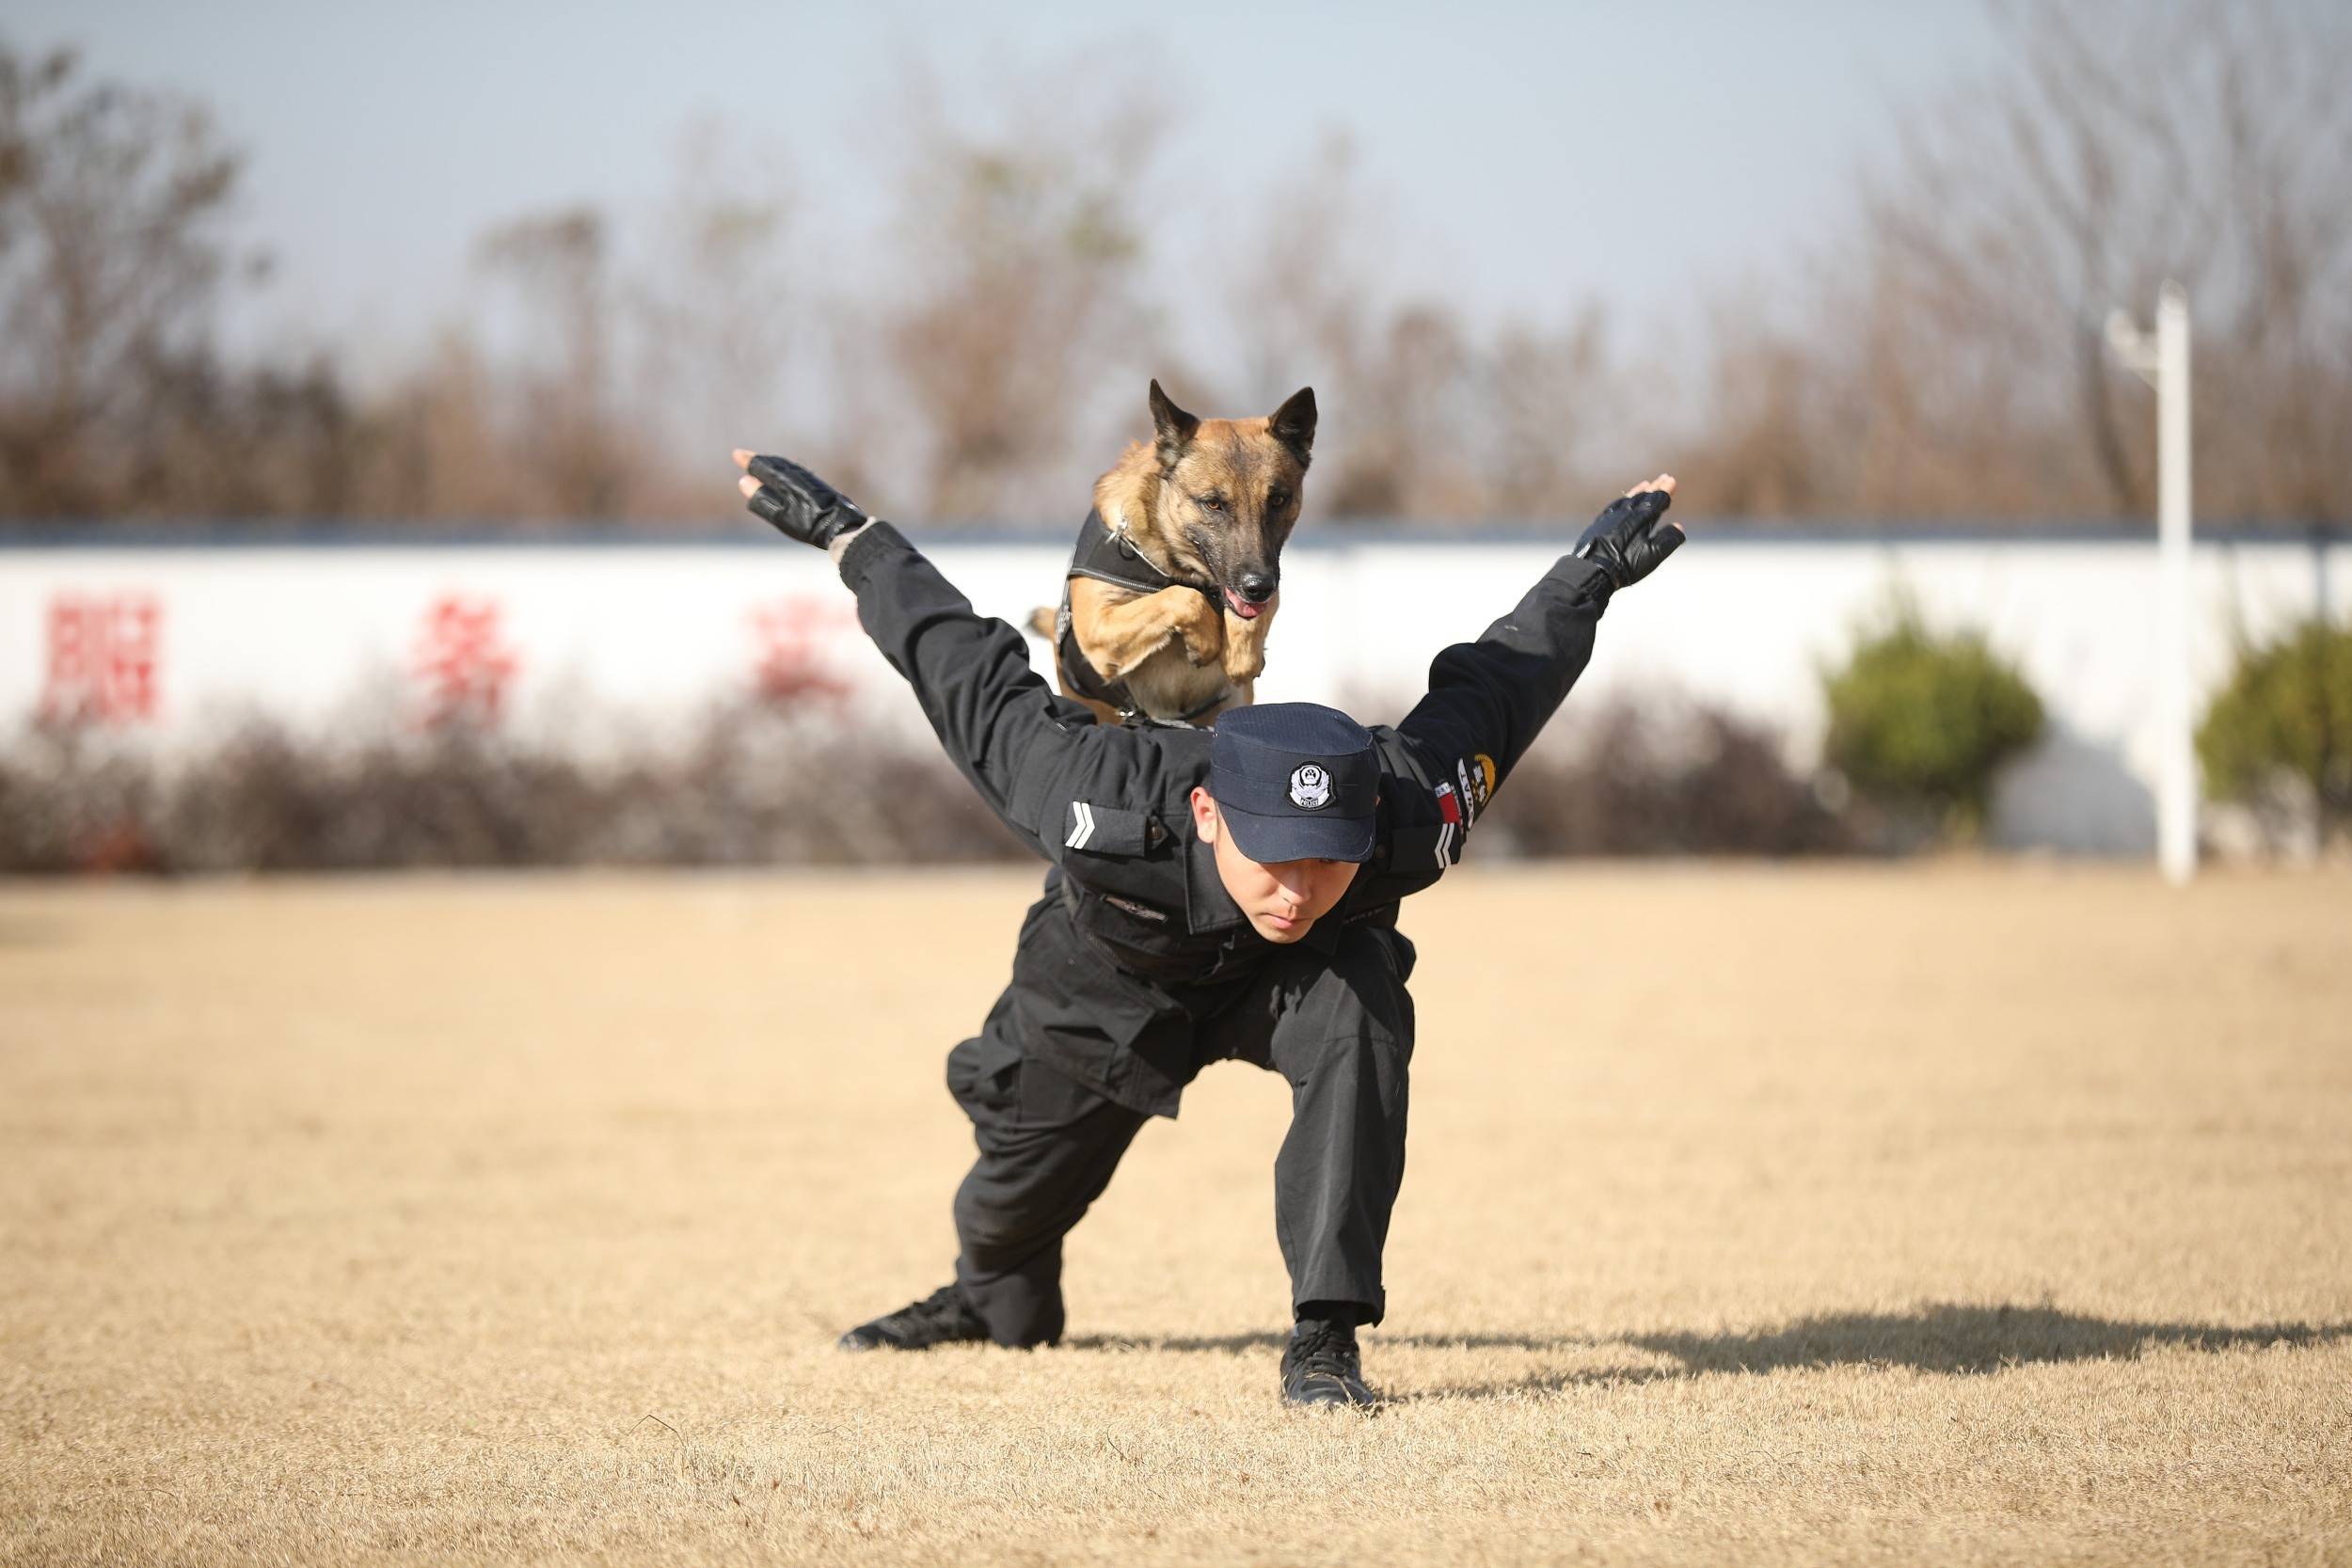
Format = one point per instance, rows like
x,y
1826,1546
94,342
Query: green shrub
x,y
2286,715
1918,722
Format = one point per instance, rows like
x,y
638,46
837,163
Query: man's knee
x,y
1367,1071
1356,1013
1032,1184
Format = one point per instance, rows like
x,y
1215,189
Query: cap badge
x,y
1311,786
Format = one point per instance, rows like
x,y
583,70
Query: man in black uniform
x,y
1213,894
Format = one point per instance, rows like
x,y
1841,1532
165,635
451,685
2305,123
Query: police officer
x,y
1213,894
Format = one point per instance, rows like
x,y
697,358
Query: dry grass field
x,y
1956,1213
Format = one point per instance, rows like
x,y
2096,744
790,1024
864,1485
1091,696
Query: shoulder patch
x,y
1428,845
1106,830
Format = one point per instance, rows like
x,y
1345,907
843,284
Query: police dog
x,y
1177,573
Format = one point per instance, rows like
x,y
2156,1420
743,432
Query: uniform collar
x,y
1324,935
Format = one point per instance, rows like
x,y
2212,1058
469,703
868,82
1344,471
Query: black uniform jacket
x,y
1124,965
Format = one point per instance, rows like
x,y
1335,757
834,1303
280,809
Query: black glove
x,y
1627,541
801,505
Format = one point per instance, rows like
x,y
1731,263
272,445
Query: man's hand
x,y
801,505
1628,540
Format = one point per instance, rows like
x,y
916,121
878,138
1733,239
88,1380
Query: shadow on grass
x,y
1963,1341
1941,1337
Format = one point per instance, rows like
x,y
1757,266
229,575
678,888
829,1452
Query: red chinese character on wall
x,y
463,661
101,659
792,667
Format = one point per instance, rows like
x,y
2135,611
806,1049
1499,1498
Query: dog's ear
x,y
1175,427
1294,425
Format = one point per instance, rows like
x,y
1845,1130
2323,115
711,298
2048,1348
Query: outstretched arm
x,y
1027,751
1488,699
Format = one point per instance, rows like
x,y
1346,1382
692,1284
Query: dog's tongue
x,y
1242,607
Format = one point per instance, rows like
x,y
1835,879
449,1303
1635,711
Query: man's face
x,y
1282,898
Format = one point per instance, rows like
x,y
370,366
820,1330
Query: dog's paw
x,y
1202,635
1243,658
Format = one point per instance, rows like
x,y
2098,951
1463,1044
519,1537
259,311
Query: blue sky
x,y
1531,155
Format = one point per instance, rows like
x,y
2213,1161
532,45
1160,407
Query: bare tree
x,y
1426,417
1549,403
1953,355
112,250
439,446
1022,234
559,265
1761,446
1410,450
717,316
1300,301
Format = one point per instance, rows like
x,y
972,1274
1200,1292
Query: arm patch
x,y
1106,829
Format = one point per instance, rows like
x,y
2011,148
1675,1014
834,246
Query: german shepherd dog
x,y
1178,570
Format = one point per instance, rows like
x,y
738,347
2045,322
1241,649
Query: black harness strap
x,y
1112,557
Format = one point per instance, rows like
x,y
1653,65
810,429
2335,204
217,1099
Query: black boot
x,y
1321,1365
939,1319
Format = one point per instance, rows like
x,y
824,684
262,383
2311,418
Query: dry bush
x,y
69,805
1649,779
752,786
755,785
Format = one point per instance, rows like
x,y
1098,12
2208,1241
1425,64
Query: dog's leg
x,y
1104,713
1245,643
1244,694
1117,633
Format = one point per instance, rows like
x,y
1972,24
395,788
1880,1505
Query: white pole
x,y
2176,776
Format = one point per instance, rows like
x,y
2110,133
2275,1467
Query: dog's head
x,y
1229,495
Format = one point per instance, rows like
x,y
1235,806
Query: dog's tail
x,y
1041,621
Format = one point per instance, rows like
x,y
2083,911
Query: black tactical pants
x,y
1338,1027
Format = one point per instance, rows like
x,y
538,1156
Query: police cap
x,y
1295,781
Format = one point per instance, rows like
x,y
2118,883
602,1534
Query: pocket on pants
x,y
1052,1099
984,1075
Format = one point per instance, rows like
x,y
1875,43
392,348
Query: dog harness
x,y
1112,556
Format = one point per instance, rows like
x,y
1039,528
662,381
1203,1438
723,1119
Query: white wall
x,y
618,642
